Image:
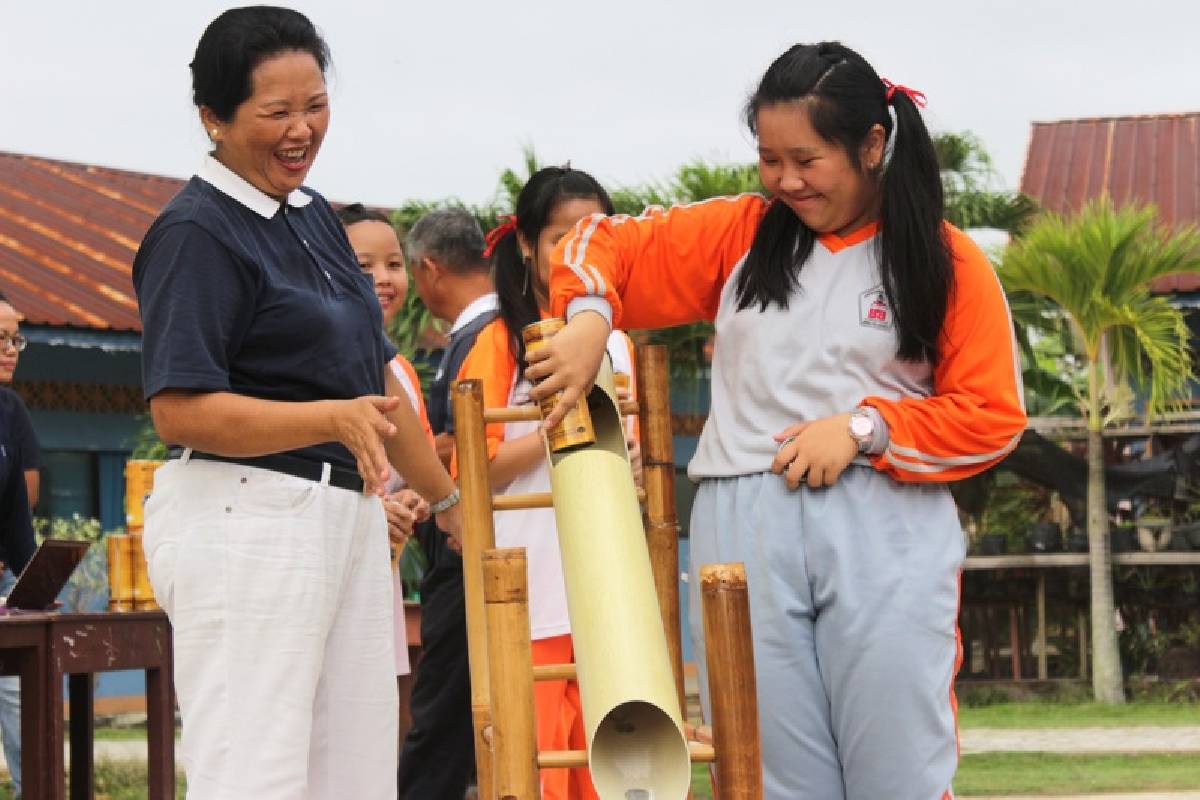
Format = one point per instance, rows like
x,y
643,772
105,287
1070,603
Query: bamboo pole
x,y
658,475
478,536
510,666
554,672
517,502
731,682
571,759
531,413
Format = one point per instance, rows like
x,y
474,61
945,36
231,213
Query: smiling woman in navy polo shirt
x,y
264,364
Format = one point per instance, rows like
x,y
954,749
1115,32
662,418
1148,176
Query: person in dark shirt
x,y
20,459
265,365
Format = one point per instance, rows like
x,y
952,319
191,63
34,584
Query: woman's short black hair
x,y
239,40
357,212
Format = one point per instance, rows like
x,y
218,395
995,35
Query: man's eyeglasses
x,y
16,341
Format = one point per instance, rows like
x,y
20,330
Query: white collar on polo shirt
x,y
485,302
229,182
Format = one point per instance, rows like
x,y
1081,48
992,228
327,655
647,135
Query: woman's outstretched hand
x,y
362,424
568,362
815,452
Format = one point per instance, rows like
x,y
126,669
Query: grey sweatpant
x,y
854,594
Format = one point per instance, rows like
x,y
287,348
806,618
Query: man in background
x,y
453,278
20,458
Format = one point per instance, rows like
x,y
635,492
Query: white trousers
x,y
279,592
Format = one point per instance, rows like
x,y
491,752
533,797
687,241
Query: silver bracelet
x,y
447,502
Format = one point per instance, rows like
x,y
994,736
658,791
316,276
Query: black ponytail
x,y
515,279
845,98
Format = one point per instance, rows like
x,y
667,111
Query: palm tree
x,y
1097,268
969,184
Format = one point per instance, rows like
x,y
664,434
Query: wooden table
x,y
1043,561
42,648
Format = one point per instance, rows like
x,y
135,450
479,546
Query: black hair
x,y
356,212
239,40
845,98
545,190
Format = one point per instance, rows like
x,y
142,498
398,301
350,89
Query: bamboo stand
x,y
499,649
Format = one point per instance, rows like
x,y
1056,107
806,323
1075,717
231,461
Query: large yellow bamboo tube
x,y
631,709
510,664
731,684
478,536
658,475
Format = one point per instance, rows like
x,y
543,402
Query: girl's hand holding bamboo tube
x,y
568,362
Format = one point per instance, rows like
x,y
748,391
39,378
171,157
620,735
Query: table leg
x,y
35,771
82,691
160,733
55,727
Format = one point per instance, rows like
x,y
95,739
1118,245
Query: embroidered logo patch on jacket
x,y
873,309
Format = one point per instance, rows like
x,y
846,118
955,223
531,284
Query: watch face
x,y
862,427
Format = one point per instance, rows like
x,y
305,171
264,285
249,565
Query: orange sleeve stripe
x,y
976,414
659,269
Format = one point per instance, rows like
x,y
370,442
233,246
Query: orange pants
x,y
560,723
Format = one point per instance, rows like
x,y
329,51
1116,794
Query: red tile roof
x,y
68,233
1149,159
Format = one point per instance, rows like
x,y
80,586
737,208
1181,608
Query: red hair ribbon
x,y
499,232
918,97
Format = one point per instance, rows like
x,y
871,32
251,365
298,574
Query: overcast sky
x,y
434,99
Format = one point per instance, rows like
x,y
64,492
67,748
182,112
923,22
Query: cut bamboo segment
x,y
658,475
519,502
478,535
731,683
510,666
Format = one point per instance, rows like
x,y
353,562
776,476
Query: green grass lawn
x,y
1077,715
1048,773
1051,774
981,774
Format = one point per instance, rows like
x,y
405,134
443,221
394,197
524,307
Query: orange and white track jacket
x,y
832,349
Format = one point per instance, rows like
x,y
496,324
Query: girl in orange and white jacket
x,y
864,355
548,207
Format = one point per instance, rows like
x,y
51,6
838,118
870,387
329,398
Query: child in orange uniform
x,y
549,205
380,256
864,356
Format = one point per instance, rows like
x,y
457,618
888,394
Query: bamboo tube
x,y
510,665
139,482
120,572
478,536
658,475
143,592
631,710
731,683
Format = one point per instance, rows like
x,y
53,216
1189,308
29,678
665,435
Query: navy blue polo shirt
x,y
17,446
240,293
